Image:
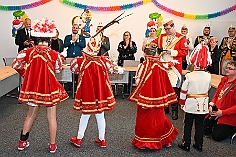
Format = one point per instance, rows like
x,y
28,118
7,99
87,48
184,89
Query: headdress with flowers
x,y
201,56
44,28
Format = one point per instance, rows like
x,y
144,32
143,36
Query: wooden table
x,y
215,80
9,79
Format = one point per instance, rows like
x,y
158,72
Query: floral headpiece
x,y
201,56
44,28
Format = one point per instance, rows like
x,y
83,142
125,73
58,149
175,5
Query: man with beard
x,y
228,48
206,35
174,47
74,42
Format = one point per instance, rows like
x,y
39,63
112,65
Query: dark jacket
x,y
21,38
105,47
126,54
57,45
74,49
215,56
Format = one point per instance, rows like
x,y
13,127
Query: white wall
x,y
136,23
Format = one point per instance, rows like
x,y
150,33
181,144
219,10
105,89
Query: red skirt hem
x,y
155,145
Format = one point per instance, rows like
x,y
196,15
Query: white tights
x,y
100,122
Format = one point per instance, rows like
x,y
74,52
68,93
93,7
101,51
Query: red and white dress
x,y
94,93
153,92
177,44
38,66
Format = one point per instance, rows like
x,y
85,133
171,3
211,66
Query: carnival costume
x,y
205,37
93,78
153,129
178,47
38,65
94,92
228,48
194,97
40,86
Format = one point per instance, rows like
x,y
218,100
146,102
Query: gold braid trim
x,y
155,139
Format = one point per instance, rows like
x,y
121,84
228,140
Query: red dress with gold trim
x,y
38,65
153,92
94,93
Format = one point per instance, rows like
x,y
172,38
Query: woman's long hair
x,y
130,39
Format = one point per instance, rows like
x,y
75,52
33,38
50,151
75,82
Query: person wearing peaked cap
x,y
186,63
194,101
175,47
228,48
40,86
104,41
205,36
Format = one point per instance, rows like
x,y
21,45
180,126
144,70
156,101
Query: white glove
x,y
175,61
120,70
64,53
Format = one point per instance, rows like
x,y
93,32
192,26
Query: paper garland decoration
x,y
124,7
25,6
142,2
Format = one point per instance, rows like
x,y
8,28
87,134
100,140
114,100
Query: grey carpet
x,y
119,133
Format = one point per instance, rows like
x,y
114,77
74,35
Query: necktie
x,y
27,34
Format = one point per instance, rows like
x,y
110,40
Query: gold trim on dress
x,y
155,139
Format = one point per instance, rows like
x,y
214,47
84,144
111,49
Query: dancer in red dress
x,y
153,92
94,93
40,87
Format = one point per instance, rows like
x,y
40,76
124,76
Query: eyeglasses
x,y
229,68
126,35
167,29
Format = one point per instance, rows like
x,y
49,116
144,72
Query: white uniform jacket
x,y
194,92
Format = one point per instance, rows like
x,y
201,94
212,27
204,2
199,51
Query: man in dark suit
x,y
105,43
74,42
23,36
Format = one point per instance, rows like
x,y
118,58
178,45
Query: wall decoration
x,y
25,6
142,2
155,22
83,21
18,22
124,7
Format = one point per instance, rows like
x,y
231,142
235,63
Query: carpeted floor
x,y
120,124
